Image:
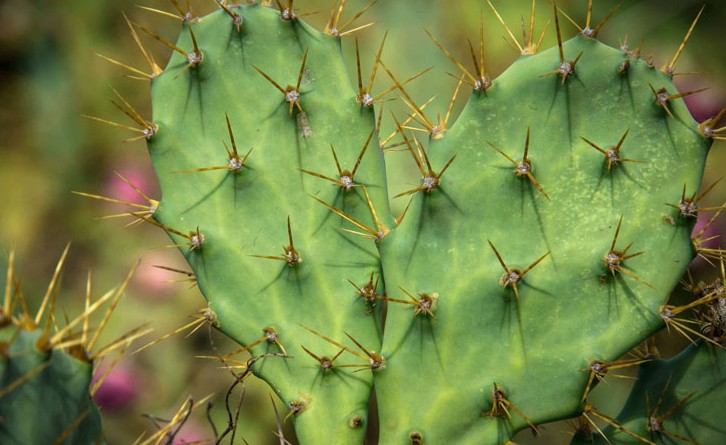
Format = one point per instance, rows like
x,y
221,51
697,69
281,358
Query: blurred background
x,y
50,76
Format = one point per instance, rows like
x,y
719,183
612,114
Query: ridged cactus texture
x,y
46,372
537,244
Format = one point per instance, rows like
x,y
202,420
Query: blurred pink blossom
x,y
703,105
191,432
150,280
710,239
118,189
118,389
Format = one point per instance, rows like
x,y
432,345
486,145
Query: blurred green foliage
x,y
49,76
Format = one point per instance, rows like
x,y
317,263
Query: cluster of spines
x,y
79,344
77,339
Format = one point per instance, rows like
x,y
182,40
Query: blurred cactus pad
x,y
534,257
46,372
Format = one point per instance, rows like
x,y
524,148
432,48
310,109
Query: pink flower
x,y
710,239
703,105
191,432
711,235
118,389
151,280
118,189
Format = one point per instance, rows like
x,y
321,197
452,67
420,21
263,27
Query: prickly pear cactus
x,y
36,384
46,375
527,182
271,258
668,400
537,244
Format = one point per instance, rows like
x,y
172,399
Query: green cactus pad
x,y
52,403
678,400
570,308
243,214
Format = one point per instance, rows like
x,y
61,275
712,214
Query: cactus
x,y
669,397
45,374
550,225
